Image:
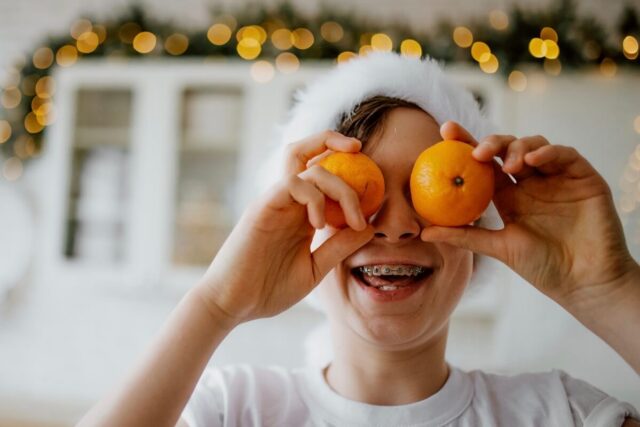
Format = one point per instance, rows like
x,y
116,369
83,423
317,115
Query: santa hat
x,y
420,81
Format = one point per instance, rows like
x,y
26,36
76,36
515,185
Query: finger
x,y
453,130
339,246
319,157
476,239
299,153
336,189
516,150
492,146
556,159
305,193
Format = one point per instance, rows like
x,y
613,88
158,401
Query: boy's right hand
x,y
266,265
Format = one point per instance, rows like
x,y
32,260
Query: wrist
x,y
219,317
602,296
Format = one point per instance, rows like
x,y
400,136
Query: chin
x,y
398,331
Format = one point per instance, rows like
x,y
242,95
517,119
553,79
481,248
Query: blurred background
x,y
130,137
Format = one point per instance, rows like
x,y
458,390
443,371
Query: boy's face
x,y
418,313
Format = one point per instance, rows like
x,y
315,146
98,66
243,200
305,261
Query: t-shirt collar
x,y
441,408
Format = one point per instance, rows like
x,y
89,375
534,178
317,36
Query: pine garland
x,y
582,42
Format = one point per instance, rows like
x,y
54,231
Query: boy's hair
x,y
368,117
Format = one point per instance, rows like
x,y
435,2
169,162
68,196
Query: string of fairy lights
x,y
277,40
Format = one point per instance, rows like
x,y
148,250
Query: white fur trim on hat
x,y
422,82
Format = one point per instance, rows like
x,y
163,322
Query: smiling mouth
x,y
390,282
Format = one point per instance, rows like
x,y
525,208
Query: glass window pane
x,y
207,164
97,193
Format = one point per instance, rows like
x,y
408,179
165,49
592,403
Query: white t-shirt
x,y
243,395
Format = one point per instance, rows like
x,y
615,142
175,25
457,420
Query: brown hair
x,y
368,117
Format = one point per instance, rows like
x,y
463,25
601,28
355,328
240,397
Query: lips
x,y
392,292
390,280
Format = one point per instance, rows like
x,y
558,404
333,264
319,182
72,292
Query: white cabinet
x,y
151,163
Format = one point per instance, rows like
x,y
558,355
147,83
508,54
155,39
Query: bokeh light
x,y
12,169
87,42
481,52
365,50
537,47
491,65
282,39
144,42
410,47
43,58
67,55
262,71
176,44
12,77
31,123
80,27
46,87
101,32
302,38
552,66
219,34
11,98
462,36
630,47
608,67
253,32
498,20
552,51
381,42
287,63
332,31
517,81
548,33
5,131
346,56
249,48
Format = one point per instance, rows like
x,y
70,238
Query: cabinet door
x,y
97,191
207,185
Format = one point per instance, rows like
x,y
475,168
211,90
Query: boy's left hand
x,y
562,233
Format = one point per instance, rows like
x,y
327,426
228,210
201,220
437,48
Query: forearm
x,y
614,315
159,387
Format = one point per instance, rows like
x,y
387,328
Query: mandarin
x,y
448,186
360,173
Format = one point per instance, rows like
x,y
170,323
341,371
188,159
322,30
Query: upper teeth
x,y
395,270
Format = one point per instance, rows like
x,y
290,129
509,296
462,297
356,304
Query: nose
x,y
396,220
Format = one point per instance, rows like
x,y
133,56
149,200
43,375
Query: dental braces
x,y
387,270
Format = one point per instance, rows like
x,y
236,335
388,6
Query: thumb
x,y
338,247
475,239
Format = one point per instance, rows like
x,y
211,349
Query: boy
x,y
561,234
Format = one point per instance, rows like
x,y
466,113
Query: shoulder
x,y
247,382
553,394
241,394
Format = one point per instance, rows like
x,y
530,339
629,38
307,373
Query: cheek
x,y
457,275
